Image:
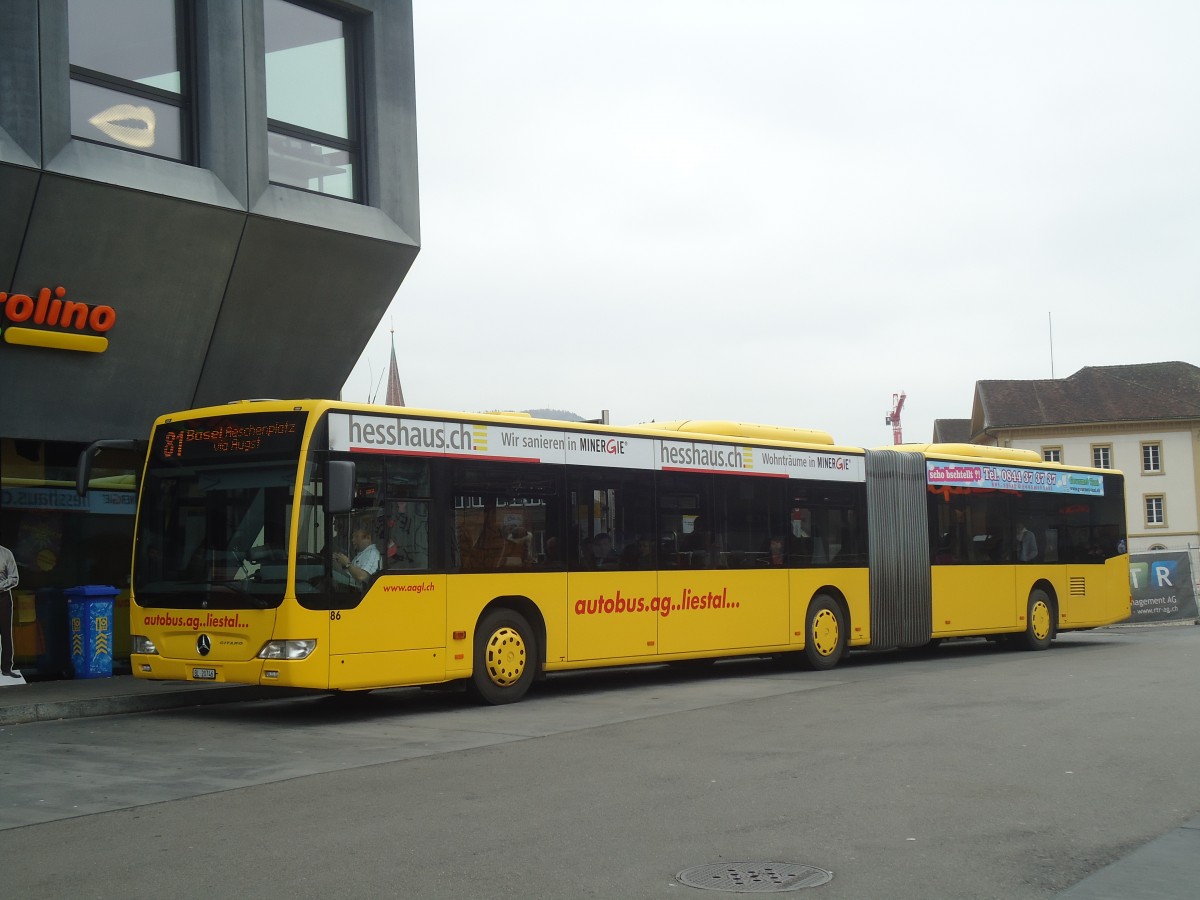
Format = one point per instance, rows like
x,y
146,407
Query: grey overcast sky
x,y
786,211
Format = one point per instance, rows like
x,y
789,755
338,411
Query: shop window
x,y
312,140
128,75
60,539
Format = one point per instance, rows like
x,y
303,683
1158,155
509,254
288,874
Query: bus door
x,y
387,624
972,577
723,582
392,628
612,582
612,614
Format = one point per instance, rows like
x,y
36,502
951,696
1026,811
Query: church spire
x,y
395,395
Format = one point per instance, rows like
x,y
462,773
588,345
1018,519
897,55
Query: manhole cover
x,y
754,877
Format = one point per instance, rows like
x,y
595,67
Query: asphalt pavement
x,y
1163,869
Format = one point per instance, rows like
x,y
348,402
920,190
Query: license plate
x,y
204,674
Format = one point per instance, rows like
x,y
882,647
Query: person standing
x,y
1027,549
8,581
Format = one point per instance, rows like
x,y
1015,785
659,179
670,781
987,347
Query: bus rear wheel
x,y
824,633
505,657
1039,622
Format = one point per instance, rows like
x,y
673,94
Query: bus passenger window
x,y
505,516
407,523
613,519
405,537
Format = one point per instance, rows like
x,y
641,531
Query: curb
x,y
51,710
1169,623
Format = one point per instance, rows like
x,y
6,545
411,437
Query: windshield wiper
x,y
234,588
196,593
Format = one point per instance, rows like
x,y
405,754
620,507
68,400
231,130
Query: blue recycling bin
x,y
90,620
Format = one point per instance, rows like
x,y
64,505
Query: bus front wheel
x,y
1039,621
505,657
824,633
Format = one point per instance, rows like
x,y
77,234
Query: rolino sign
x,y
61,324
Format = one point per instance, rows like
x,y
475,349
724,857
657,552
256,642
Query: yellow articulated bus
x,y
334,546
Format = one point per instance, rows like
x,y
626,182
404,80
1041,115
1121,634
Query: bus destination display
x,y
219,437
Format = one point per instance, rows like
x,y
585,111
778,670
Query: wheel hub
x,y
506,657
1039,620
825,632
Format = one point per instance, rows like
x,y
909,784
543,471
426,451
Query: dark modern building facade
x,y
202,201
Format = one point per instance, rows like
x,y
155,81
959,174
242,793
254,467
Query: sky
x,y
789,211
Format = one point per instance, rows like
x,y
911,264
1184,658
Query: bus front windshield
x,y
214,536
215,512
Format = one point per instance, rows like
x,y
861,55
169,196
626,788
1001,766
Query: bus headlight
x,y
287,649
139,643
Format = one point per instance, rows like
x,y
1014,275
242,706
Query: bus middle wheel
x,y
824,633
505,657
1039,621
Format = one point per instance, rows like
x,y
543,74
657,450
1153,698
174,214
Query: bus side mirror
x,y
339,487
83,470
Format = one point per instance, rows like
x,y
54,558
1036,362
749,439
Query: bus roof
x,y
747,430
712,429
998,455
974,451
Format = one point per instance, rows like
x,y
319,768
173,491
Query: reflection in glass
x,y
133,40
306,69
310,166
111,117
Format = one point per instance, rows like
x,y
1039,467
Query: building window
x,y
128,78
312,141
1152,459
1102,456
1156,510
1052,454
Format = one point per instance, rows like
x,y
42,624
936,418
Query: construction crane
x,y
893,418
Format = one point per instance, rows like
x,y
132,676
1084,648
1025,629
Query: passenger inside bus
x,y
603,556
774,554
942,555
638,554
1027,548
703,544
517,551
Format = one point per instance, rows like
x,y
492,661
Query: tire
x,y
505,659
824,633
1039,621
